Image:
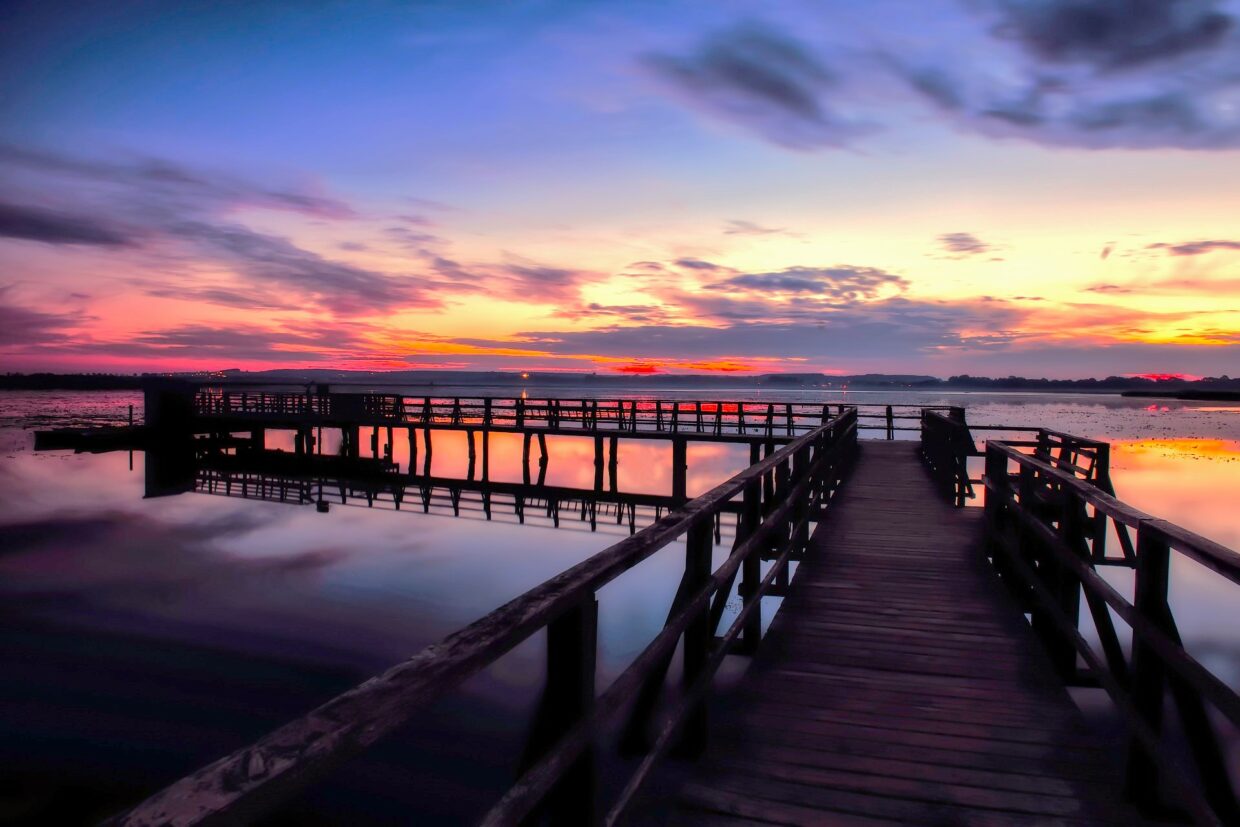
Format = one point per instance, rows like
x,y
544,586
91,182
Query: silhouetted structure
x,y
899,682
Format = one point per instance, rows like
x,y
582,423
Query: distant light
x,y
525,376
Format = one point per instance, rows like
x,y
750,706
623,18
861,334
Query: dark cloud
x,y
250,299
892,327
54,227
410,239
535,284
844,283
763,80
149,185
23,327
1106,252
1113,33
697,264
1195,248
1109,288
167,202
280,264
738,227
635,313
963,244
238,342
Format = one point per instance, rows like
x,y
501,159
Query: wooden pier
x,y
915,673
899,684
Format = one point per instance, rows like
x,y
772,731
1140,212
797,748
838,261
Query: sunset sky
x,y
1037,187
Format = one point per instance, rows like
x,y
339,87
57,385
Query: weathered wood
x,y
251,781
873,625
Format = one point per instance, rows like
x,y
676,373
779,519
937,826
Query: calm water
x,y
144,637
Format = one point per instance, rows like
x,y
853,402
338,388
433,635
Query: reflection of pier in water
x,y
324,480
915,671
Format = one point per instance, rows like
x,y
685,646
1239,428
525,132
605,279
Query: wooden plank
x,y
899,682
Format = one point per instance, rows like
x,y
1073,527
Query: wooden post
x,y
698,635
800,509
486,457
891,424
751,567
1066,587
426,437
613,462
413,451
1149,673
572,647
680,468
473,454
598,462
543,459
258,439
768,481
525,456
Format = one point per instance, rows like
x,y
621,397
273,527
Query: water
x,y
144,637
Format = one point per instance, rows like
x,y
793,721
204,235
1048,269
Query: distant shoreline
x,y
1210,389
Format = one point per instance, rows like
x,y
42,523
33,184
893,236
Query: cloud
x,y
1088,73
738,227
23,327
1113,34
690,263
539,285
1109,288
147,186
763,81
633,313
54,227
963,244
309,343
179,210
278,263
248,299
890,328
1195,248
1083,73
845,283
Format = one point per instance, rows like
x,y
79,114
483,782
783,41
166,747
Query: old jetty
x,y
916,672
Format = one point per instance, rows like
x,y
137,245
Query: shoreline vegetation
x,y
1222,388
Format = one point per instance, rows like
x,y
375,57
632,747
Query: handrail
x,y
782,494
946,445
774,420
1047,530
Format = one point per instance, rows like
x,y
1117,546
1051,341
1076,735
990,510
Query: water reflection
x,y
144,637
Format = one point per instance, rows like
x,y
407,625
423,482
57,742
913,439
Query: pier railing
x,y
779,421
385,487
780,496
948,443
1050,517
633,416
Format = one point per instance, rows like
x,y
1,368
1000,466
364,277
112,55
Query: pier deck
x,y
899,683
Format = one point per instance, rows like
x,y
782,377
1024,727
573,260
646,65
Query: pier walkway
x,y
899,683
